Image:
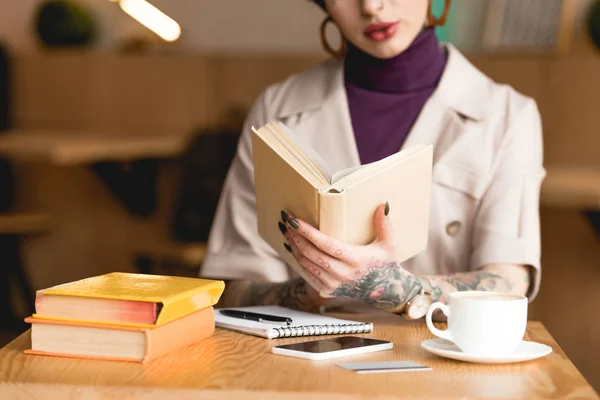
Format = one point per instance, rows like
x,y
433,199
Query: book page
x,y
338,180
282,138
313,157
273,140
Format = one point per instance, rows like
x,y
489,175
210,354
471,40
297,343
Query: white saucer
x,y
525,352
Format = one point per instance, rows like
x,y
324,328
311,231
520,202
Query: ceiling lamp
x,y
152,18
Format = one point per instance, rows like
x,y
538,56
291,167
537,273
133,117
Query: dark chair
x,y
203,170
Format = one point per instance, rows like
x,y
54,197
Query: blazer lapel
x,y
459,99
336,115
436,125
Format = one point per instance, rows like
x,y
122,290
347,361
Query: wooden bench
x,y
572,187
15,223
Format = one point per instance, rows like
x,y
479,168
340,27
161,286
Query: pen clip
x,y
268,321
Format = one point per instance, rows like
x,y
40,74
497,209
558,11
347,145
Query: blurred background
x,y
118,121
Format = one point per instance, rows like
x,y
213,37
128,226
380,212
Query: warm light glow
x,y
152,18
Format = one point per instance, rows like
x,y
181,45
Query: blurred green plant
x,y
594,23
64,23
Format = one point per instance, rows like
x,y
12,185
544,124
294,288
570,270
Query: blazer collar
x,y
462,88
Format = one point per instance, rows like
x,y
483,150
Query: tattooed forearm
x,y
388,287
478,280
292,294
441,286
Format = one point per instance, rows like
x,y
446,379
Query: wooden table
x,y
231,366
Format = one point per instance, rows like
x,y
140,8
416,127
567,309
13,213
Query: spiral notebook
x,y
304,323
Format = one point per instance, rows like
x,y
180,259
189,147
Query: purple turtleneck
x,y
385,96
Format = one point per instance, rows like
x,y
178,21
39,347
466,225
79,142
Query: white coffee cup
x,y
483,323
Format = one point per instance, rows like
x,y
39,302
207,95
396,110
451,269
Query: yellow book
x,y
128,299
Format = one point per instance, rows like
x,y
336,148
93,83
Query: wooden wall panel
x,y
240,79
51,89
112,93
161,93
573,123
527,75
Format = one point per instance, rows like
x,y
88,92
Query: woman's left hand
x,y
368,273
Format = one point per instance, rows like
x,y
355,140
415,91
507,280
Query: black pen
x,y
257,317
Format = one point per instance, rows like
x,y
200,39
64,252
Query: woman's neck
x,y
419,66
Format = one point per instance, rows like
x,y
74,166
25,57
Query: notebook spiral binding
x,y
314,330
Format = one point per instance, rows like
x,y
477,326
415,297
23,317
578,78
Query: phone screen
x,y
334,344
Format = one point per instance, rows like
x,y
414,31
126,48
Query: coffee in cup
x,y
483,323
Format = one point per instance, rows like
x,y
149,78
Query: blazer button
x,y
453,228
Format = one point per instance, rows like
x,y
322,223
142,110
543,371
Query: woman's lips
x,y
381,31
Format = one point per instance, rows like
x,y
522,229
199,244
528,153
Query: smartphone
x,y
332,348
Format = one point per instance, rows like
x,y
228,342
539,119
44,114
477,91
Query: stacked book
x,y
123,316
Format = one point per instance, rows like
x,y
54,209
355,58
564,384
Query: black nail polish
x,y
282,227
387,208
284,216
293,223
287,247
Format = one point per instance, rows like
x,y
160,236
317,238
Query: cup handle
x,y
442,334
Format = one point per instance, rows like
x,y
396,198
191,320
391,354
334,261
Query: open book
x,y
289,175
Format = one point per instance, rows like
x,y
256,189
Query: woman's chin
x,y
385,50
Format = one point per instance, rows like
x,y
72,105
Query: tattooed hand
x,y
369,273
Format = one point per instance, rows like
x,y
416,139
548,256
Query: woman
x,y
392,85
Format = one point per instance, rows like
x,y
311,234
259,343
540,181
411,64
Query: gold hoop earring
x,y
339,53
441,21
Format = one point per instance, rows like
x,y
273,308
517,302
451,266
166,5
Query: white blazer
x,y
487,172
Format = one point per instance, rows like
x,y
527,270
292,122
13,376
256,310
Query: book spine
x,y
185,303
180,333
332,214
